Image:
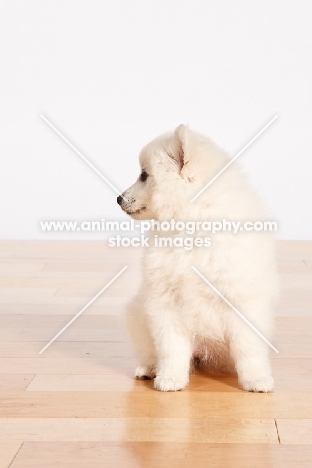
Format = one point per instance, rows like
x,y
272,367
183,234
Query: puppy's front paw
x,y
261,384
145,372
167,384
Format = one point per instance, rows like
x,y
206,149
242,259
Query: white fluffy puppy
x,y
176,316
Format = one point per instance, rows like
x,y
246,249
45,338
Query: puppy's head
x,y
166,179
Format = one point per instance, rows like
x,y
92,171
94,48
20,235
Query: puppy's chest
x,y
174,260
166,265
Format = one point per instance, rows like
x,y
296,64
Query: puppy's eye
x,y
143,176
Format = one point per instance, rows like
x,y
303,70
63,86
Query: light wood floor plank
x,y
75,349
140,430
111,297
49,245
19,271
295,312
21,295
15,382
109,306
287,270
8,450
89,284
295,431
71,334
5,252
78,348
111,381
289,374
42,365
158,454
291,302
48,321
125,383
90,383
297,247
120,288
71,268
284,325
292,323
110,404
116,306
108,263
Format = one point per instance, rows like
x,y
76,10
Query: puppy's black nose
x,y
119,200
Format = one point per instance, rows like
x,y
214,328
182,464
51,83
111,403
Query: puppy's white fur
x,y
176,316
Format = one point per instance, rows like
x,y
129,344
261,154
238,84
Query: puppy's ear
x,y
181,136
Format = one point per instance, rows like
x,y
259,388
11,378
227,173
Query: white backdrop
x,y
111,75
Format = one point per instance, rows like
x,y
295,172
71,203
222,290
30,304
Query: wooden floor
x,y
77,404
